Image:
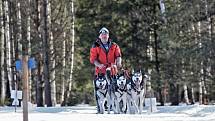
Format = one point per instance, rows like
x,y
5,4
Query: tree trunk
x,y
200,92
52,58
63,90
39,81
201,69
71,62
165,91
8,45
209,59
186,100
48,100
205,93
29,46
12,46
192,95
39,56
52,72
19,37
162,7
3,84
174,93
73,46
161,100
185,94
157,65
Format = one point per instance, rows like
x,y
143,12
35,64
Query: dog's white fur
x,y
138,84
121,94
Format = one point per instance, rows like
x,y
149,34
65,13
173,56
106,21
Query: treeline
x,y
44,30
170,40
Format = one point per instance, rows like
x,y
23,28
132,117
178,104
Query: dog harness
x,y
121,90
135,89
104,94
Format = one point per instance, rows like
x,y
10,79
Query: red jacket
x,y
98,52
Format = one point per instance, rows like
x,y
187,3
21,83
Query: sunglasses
x,y
103,32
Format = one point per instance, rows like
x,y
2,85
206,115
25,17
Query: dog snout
x,y
100,84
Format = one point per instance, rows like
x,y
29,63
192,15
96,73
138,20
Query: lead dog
x,y
121,94
138,85
102,93
130,100
111,90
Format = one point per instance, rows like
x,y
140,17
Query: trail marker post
x,y
24,66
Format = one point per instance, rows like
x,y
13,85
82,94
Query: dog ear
x,y
108,72
122,73
146,77
100,75
132,72
127,74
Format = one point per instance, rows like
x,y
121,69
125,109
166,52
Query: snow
x,y
88,113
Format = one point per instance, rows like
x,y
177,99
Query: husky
x,y
102,93
111,90
130,101
138,86
121,94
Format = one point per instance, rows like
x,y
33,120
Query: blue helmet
x,y
103,30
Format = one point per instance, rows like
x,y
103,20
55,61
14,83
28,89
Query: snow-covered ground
x,y
88,113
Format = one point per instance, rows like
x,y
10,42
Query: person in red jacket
x,y
104,54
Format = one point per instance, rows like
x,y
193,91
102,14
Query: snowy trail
x,y
87,113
